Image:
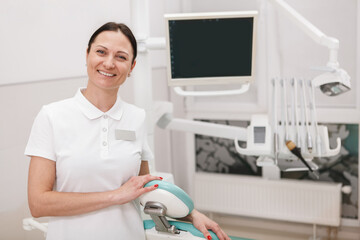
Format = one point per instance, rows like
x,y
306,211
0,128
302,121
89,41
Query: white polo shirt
x,y
94,152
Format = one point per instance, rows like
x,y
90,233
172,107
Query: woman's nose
x,y
109,63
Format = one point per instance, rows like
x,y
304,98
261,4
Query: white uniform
x,y
94,152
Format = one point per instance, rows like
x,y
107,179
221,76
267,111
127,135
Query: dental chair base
x,y
186,231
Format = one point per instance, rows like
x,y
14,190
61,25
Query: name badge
x,y
126,135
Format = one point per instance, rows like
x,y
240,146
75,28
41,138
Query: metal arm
x,y
203,128
312,31
157,211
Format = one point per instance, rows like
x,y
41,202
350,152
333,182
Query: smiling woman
x,y
81,171
110,59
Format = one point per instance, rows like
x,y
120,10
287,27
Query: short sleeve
x,y
146,153
41,140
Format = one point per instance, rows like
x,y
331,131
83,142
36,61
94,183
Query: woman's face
x,y
109,60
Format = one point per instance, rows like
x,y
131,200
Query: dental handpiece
x,y
296,151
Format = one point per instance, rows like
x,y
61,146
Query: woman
x,y
89,153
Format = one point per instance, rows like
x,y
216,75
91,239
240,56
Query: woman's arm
x,y
144,168
44,201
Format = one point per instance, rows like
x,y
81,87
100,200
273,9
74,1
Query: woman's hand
x,y
134,188
44,201
203,223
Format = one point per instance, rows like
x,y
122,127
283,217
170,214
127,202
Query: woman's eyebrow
x,y
123,52
120,51
101,46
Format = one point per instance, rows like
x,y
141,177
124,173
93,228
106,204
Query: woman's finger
x,y
149,189
151,177
205,232
221,234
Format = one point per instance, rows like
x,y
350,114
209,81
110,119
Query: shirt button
x,y
105,116
104,129
104,143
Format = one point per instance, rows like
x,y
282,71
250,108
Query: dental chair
x,y
168,200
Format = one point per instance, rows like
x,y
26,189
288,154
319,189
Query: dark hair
x,y
115,27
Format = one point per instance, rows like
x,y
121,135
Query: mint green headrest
x,y
174,190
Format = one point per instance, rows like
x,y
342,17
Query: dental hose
x,y
309,139
314,117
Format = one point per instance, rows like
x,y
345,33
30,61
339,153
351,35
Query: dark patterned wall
x,y
219,155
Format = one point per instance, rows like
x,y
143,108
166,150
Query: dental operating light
x,y
335,80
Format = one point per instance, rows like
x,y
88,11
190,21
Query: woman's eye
x,y
122,57
100,51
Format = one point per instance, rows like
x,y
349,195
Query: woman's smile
x,y
106,74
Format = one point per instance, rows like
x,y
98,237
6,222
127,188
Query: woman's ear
x,y
132,66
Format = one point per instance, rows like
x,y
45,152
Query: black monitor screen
x,y
218,47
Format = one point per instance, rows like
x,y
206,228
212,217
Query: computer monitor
x,y
211,48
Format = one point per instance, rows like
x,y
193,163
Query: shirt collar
x,y
93,112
